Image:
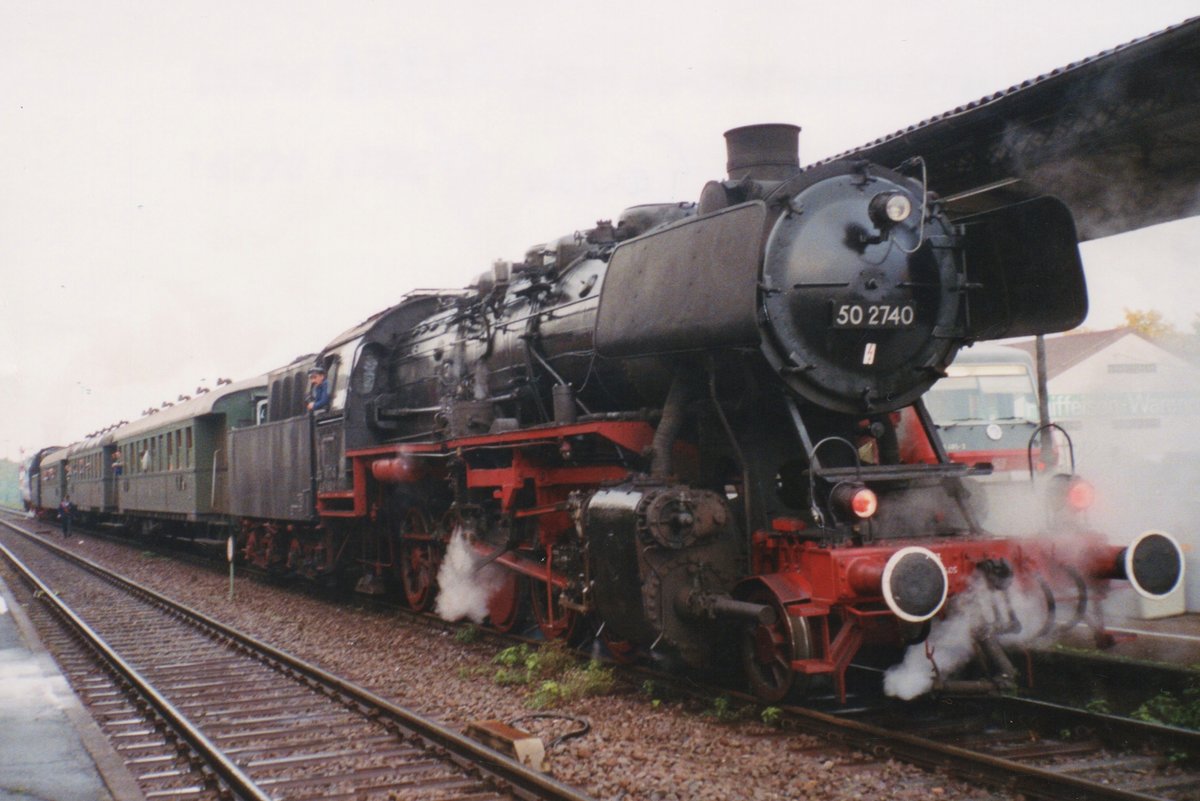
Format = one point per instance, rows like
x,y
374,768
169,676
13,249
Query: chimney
x,y
768,152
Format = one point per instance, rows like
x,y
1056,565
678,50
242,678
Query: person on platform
x,y
66,510
319,392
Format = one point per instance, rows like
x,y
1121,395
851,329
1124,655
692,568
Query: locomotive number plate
x,y
874,315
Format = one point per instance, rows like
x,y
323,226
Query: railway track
x,y
1033,748
201,711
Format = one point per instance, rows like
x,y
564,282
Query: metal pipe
x,y
401,470
212,494
668,428
706,606
1047,456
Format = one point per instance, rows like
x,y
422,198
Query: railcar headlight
x,y
889,208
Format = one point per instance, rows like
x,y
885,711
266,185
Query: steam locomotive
x,y
677,432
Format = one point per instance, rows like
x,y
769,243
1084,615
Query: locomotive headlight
x,y
898,207
889,208
854,498
1071,493
1080,494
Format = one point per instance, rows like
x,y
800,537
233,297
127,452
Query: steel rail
x,y
1187,740
238,782
962,762
464,751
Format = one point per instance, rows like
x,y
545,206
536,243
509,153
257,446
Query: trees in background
x,y
10,491
1150,324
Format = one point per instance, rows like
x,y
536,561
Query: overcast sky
x,y
199,189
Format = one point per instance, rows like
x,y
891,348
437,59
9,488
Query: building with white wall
x,y
1123,396
1132,409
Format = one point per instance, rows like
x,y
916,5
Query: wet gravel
x,y
636,749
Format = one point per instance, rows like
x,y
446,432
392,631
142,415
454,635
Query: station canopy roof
x,y
1115,136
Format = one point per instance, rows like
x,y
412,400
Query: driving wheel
x,y
420,556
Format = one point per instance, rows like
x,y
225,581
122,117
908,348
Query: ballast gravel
x,y
637,748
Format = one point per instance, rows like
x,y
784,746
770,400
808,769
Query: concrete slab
x,y
50,748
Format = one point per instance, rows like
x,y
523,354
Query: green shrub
x,y
573,683
555,670
1173,710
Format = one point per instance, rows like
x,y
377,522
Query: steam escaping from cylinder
x,y
1012,616
465,583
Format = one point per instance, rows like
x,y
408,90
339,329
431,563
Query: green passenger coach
x,y
174,464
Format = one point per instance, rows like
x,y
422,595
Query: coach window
x,y
190,455
170,452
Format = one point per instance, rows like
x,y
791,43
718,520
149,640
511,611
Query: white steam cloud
x,y
1012,616
464,587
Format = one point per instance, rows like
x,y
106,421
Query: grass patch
x,y
553,671
466,634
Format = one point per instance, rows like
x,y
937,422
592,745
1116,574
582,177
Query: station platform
x,y
50,748
1166,632
1172,640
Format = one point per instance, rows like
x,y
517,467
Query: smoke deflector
x,y
1024,275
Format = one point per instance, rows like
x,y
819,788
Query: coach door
x,y
108,478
